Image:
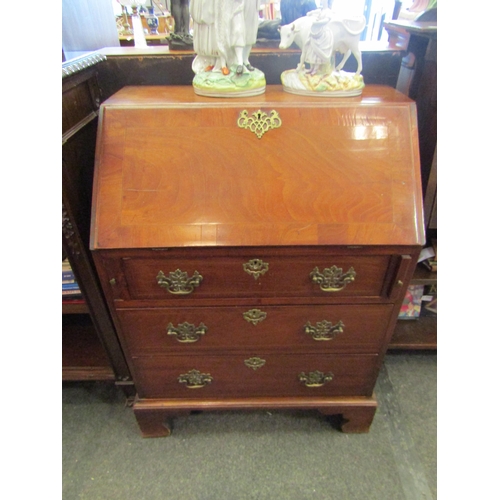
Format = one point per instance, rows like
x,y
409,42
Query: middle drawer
x,y
335,328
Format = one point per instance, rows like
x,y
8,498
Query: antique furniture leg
x,y
356,418
155,421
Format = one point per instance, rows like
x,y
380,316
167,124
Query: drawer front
x,y
254,374
324,328
261,276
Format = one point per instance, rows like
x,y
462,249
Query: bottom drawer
x,y
254,375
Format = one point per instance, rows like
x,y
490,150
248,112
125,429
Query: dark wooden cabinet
x,y
91,350
418,79
254,252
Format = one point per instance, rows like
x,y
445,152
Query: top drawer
x,y
250,274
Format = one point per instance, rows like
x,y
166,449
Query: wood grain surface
x,y
174,169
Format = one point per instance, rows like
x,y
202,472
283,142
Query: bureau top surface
x,y
175,169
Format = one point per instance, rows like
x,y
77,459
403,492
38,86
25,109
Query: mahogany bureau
x,y
255,252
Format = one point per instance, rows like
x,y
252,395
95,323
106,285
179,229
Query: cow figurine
x,y
320,34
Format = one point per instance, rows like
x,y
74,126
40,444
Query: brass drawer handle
x,y
324,330
255,363
178,282
195,379
316,378
256,267
187,332
254,316
332,279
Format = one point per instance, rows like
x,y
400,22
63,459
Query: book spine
x,y
70,286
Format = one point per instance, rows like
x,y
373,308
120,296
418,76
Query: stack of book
x,y
70,288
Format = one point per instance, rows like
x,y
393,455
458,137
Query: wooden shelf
x,y
83,356
420,333
423,276
74,307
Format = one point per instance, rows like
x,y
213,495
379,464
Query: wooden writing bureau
x,y
255,252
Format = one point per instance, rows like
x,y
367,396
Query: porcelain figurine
x,y
224,32
320,35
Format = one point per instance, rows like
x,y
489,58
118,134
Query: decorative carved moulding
x,y
80,64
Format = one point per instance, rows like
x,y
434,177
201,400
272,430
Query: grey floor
x,y
257,455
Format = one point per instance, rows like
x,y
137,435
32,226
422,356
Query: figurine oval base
x,y
215,84
335,84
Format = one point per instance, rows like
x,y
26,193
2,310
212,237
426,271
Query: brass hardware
x,y
332,279
316,378
178,282
259,122
256,267
255,316
324,330
112,282
186,332
195,379
255,363
400,283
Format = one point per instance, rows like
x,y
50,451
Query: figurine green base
x,y
334,84
215,84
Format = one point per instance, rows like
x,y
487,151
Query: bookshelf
x,y
420,333
83,355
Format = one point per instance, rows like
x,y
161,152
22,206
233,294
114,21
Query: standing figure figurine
x,y
224,32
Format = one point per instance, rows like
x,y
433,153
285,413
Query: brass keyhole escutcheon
x,y
256,267
259,122
255,363
254,316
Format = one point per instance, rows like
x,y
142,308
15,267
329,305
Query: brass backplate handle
x,y
332,279
178,282
256,267
187,332
194,379
324,330
315,379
